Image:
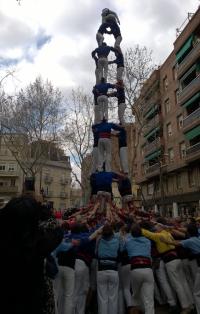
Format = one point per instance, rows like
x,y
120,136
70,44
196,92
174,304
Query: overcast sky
x,y
54,38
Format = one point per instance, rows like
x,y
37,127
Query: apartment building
x,y
168,154
52,182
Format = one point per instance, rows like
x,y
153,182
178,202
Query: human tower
x,y
101,172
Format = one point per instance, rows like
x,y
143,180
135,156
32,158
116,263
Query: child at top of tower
x,y
108,15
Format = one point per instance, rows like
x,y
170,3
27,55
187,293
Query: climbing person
x,y
100,55
108,15
120,94
119,61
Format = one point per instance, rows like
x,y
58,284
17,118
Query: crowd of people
x,y
125,262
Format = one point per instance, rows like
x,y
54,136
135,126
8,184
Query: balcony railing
x,y
189,60
48,179
64,181
8,189
63,194
9,173
193,150
152,146
189,90
48,194
152,123
151,102
194,116
153,168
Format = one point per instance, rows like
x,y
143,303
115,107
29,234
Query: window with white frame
x,y
167,106
179,122
182,148
169,129
171,155
2,167
150,189
11,167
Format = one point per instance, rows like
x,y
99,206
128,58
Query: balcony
x,y
189,60
155,99
63,194
48,179
9,173
48,194
8,189
192,120
193,152
190,90
153,170
152,123
64,181
152,146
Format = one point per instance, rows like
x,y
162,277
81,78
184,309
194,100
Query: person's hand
x,y
76,242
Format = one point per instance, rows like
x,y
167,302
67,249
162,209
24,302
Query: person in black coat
x,y
24,246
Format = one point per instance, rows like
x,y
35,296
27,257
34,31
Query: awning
x,y
193,133
153,155
151,111
191,100
152,132
187,45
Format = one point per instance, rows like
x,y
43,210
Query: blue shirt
x,y
102,88
139,246
104,180
192,244
119,59
106,127
102,51
103,28
108,248
120,94
124,187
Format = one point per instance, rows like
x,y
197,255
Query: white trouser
x,y
142,282
120,73
93,274
104,154
193,267
99,38
103,68
107,291
102,101
97,114
81,286
197,291
118,41
123,154
179,282
121,110
97,75
66,291
94,159
104,198
165,284
56,290
188,269
126,284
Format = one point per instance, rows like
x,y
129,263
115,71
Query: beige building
x,y
52,182
168,155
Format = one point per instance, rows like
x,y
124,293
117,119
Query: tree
x,y
78,133
35,118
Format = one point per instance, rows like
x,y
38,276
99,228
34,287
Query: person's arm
x,y
150,235
171,241
111,62
95,234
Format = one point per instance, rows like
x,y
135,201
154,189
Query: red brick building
x,y
168,154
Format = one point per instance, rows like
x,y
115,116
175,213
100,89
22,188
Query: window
x,y
169,130
167,106
165,83
171,155
177,95
12,182
182,149
179,122
2,167
178,181
191,177
150,189
174,72
11,167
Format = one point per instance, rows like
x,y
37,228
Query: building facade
x,y
52,182
168,154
